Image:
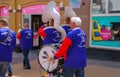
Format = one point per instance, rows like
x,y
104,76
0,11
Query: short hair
x,y
4,21
52,20
76,20
26,25
67,20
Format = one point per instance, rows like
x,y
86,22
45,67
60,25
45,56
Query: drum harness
x,y
3,40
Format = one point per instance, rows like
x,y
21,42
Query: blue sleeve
x,y
70,35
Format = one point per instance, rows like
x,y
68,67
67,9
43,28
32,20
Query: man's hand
x,y
51,59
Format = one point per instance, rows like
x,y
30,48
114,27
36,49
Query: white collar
x,y
5,27
48,27
65,25
76,28
51,26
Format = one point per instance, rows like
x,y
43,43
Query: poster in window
x,y
75,3
105,31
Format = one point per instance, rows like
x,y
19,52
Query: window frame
x,y
106,10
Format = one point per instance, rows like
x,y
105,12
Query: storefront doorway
x,y
36,22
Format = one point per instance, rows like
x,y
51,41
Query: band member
x,y
50,34
69,12
66,26
74,51
7,45
26,43
54,34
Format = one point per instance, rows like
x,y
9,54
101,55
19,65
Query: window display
x,y
105,26
106,32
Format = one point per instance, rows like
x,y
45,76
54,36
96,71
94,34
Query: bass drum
x,y
43,57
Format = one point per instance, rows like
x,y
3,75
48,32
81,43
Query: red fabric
x,y
35,36
63,49
41,32
18,35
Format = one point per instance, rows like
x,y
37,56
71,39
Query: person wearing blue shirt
x,y
26,43
66,26
7,45
73,49
50,34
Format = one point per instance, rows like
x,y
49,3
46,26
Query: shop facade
x,y
105,24
29,11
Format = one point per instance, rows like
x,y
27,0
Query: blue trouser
x,y
69,72
3,68
26,60
10,69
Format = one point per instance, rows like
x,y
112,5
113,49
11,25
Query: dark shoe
x,y
9,74
24,64
27,67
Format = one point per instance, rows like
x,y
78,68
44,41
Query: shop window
x,y
98,6
25,19
113,6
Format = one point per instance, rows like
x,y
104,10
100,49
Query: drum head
x,y
44,53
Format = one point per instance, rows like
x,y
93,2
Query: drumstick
x,y
48,65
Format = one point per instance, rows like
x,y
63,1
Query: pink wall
x,y
34,9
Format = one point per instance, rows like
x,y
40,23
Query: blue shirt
x,y
76,54
52,36
7,46
26,40
66,28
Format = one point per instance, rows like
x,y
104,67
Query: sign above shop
x,y
4,11
34,9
